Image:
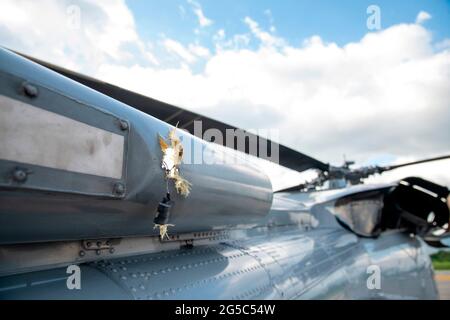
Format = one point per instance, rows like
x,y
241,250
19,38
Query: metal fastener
x,y
123,124
98,252
99,243
119,188
30,90
20,175
82,253
88,244
111,250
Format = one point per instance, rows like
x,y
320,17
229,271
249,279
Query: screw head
x,y
99,243
98,252
20,175
30,90
111,250
88,244
119,188
82,253
123,124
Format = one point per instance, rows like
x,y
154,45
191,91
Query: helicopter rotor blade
x,y
354,176
185,119
387,168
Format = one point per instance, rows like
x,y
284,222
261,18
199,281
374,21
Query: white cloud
x,y
189,54
45,29
386,94
197,9
266,38
199,50
444,44
269,15
422,17
220,35
436,171
177,48
236,41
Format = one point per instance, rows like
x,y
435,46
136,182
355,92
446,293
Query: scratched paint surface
x,y
36,136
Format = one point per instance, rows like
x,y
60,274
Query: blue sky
x,y
335,21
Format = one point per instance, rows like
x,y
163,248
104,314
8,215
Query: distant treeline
x,y
441,260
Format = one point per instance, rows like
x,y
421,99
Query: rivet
x,y
119,188
88,244
30,90
111,250
99,243
123,124
82,253
20,175
98,252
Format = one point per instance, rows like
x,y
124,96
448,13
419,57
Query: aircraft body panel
x,y
281,264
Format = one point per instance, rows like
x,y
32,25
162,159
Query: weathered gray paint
x,y
298,252
36,136
50,216
282,264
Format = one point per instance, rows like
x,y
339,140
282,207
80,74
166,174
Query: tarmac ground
x,y
443,284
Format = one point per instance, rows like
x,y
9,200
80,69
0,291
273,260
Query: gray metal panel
x,y
43,142
283,264
283,260
52,284
35,136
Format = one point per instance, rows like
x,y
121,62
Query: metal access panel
x,y
49,141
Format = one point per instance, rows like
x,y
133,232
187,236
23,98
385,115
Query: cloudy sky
x,y
311,69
